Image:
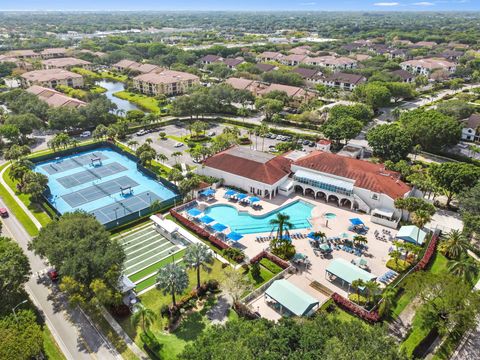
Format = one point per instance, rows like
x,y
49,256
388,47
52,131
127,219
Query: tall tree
x,y
143,315
14,267
172,279
390,142
198,257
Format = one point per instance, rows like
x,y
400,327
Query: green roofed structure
x,y
287,299
411,234
348,272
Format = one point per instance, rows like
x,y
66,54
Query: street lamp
x,y
20,303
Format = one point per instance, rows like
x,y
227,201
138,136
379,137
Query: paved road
x,y
469,348
77,338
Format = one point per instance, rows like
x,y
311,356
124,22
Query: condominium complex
x,y
166,82
51,78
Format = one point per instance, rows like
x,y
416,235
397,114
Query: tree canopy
x,y
390,142
320,338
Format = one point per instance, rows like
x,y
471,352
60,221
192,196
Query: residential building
x,y
53,53
453,55
54,98
397,54
428,66
332,62
471,128
52,78
19,63
24,54
293,59
293,92
310,76
135,67
253,171
344,81
266,67
233,63
269,56
426,44
300,50
210,59
404,75
65,63
166,82
242,84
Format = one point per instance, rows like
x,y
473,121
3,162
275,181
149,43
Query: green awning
x,y
292,298
348,272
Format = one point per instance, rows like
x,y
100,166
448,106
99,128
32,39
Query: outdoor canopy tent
x,y
230,193
291,298
410,233
208,192
348,272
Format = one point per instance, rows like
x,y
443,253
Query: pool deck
x,y
377,254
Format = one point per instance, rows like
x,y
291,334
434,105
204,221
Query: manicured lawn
x,y
95,89
36,209
439,264
265,275
152,279
16,210
50,347
145,102
181,139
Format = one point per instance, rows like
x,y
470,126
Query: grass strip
x,y
145,102
151,280
50,347
154,267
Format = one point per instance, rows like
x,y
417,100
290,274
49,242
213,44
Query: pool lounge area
x,y
104,182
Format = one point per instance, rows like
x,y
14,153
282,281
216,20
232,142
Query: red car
x,y
3,212
53,275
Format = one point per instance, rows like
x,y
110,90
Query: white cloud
x,y
386,4
424,3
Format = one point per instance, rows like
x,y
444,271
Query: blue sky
x,y
379,5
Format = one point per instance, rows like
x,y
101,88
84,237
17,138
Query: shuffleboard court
x,y
125,207
72,163
91,174
98,191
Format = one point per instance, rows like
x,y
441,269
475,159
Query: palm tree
x,y
359,239
146,315
155,205
356,285
395,255
420,218
132,143
455,244
263,130
198,256
465,268
282,223
172,278
388,296
175,175
148,141
372,288
162,158
176,155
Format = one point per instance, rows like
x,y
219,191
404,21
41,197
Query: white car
x,y
178,144
85,134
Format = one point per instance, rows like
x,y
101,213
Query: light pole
x,y
13,310
173,255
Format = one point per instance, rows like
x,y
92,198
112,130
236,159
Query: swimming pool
x,y
103,182
244,223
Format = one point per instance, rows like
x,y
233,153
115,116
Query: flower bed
x,y
432,246
199,231
273,258
356,310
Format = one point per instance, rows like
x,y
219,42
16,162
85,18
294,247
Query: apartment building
x,y
51,78
167,82
65,63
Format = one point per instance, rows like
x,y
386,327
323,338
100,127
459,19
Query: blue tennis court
x,y
102,182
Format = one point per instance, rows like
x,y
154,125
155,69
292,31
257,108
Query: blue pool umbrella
x,y
206,219
234,236
194,212
253,199
208,192
230,193
311,235
241,196
219,227
356,221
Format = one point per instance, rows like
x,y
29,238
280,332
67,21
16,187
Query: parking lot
x,y
178,130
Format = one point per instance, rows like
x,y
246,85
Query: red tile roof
x,y
367,175
251,164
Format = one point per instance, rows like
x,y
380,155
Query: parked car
x,y
178,144
86,134
306,142
211,133
52,275
311,144
300,141
279,137
3,212
141,132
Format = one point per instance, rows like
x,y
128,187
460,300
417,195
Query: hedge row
x,y
432,246
345,304
199,231
273,258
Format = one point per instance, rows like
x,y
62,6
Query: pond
x,y
113,87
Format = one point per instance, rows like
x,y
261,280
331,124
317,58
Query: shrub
x,y
151,344
357,299
285,252
234,254
356,310
399,265
212,285
255,270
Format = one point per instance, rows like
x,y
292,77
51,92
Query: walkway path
x,y
400,326
469,348
74,332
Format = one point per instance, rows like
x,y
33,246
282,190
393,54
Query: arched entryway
x,y
347,203
309,192
321,196
333,199
298,189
